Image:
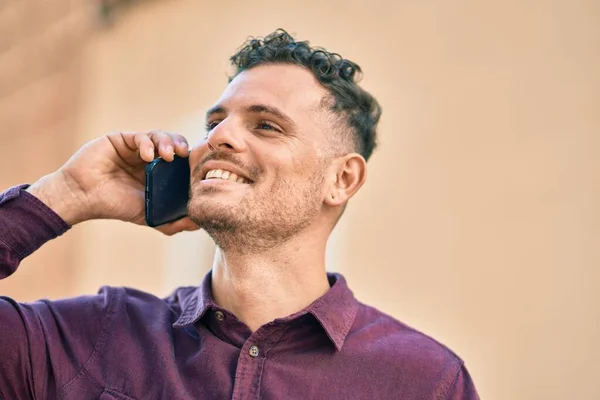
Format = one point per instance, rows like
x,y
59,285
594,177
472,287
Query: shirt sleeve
x,y
25,225
44,344
463,387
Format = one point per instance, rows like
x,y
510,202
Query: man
x,y
286,149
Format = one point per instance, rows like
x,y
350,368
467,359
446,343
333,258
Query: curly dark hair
x,y
339,76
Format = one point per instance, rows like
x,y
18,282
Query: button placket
x,y
252,359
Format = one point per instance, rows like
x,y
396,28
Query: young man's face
x,y
271,129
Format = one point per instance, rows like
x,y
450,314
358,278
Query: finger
x,y
180,144
183,224
155,143
143,142
182,149
124,143
164,143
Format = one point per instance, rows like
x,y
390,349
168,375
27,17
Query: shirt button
x,y
253,351
220,316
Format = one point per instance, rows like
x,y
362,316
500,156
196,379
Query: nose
x,y
225,137
210,146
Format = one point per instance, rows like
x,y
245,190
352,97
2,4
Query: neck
x,y
261,287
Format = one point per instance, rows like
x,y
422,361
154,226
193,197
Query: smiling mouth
x,y
225,175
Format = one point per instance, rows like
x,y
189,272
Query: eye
x,y
212,125
267,126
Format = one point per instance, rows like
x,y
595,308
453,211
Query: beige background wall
x,y
41,47
479,224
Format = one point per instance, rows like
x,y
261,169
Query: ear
x,y
349,174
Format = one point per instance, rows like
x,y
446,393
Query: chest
x,y
207,367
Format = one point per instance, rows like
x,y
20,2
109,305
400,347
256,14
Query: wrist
x,y
61,196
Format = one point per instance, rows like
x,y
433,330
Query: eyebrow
x,y
218,109
255,109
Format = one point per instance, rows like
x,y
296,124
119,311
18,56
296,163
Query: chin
x,y
209,213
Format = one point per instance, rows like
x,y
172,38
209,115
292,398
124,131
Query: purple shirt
x,y
127,344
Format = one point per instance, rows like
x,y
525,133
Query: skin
x,y
269,126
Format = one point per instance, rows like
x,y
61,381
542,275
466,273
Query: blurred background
x,y
479,224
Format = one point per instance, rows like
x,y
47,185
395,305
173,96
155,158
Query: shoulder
x,y
110,305
138,305
403,360
398,344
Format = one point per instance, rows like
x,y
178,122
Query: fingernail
x,y
169,149
151,152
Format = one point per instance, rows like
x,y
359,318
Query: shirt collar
x,y
195,302
335,310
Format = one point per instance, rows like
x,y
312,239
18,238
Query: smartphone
x,y
167,190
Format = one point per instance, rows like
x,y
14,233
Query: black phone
x,y
167,190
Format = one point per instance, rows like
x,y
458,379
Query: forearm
x,y
26,223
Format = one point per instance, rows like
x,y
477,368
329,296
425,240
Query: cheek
x,y
295,178
197,154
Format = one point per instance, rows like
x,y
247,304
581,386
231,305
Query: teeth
x,y
227,175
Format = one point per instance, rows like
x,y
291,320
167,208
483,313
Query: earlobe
x,y
349,177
